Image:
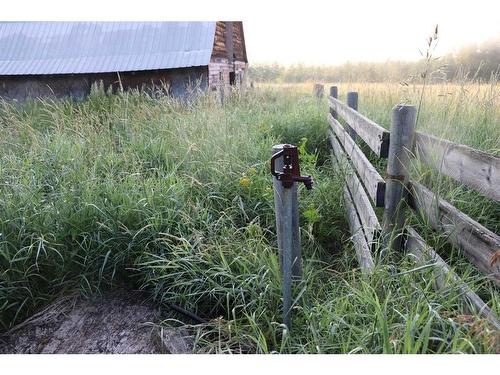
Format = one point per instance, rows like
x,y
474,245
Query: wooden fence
x,y
365,189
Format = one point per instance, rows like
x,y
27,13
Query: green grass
x,y
177,200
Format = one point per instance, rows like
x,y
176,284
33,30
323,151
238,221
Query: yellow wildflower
x,y
244,181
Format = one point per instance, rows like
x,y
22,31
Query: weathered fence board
x,y
374,183
473,168
371,226
478,243
375,136
476,169
365,210
358,237
361,246
423,254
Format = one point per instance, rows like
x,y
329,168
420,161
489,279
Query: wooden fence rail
x,y
478,243
473,168
423,254
366,214
375,136
364,185
375,184
363,252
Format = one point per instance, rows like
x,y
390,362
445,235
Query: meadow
x,y
176,199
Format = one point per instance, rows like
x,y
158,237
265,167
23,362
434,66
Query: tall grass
x,y
177,199
466,113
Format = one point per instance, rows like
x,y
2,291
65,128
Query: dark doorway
x,y
232,78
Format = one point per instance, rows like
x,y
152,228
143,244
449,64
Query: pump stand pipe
x,y
286,171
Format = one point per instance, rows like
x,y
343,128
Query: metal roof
x,y
97,47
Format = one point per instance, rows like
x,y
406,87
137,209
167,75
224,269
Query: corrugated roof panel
x,y
99,47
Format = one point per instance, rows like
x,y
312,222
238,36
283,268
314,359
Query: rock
x,y
115,323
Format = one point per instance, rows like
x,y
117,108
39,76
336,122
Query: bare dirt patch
x,y
116,323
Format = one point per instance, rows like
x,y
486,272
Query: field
x,y
177,200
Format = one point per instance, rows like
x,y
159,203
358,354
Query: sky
x,y
309,31
332,32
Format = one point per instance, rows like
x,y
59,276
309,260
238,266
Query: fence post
x,y
352,102
403,121
318,90
333,93
278,207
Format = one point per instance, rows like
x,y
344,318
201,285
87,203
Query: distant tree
x,y
477,62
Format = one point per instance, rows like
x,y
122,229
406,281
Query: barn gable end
x,y
229,59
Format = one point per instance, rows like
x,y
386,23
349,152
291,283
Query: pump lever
x,y
291,168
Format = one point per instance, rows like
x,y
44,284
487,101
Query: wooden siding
x,y
222,63
219,69
239,42
220,45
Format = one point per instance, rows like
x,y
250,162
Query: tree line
x,y
478,62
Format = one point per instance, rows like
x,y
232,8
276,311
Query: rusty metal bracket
x,y
396,177
291,168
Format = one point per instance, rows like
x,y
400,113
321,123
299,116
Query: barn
x,y
64,59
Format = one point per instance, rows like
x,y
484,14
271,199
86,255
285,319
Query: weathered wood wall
x,y
219,70
224,61
220,43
